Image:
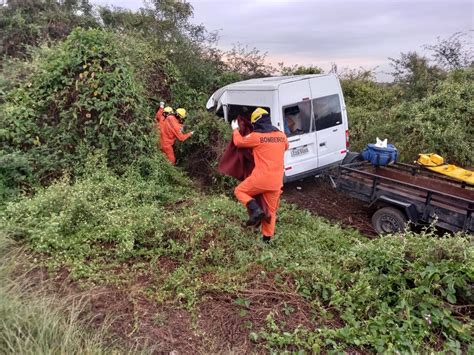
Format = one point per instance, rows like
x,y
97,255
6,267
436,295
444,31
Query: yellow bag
x,y
435,163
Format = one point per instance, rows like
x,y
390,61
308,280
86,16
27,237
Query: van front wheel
x,y
352,157
388,220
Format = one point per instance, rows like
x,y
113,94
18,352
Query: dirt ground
x,y
220,324
320,198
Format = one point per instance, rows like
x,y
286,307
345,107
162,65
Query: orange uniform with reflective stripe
x,y
171,129
267,176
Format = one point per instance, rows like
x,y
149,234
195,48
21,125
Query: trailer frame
x,y
424,197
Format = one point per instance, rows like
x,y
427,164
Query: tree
x,y
415,74
25,23
249,63
165,25
454,52
299,69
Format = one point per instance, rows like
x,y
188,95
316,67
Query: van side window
x,y
327,112
297,118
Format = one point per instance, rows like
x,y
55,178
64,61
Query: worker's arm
x,y
249,141
159,115
177,129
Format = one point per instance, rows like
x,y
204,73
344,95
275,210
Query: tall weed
x,y
35,322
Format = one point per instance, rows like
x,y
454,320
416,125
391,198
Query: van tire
x,y
352,157
388,220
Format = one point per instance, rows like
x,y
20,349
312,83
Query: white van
x,y
310,109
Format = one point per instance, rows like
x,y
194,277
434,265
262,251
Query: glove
x,y
162,104
192,132
235,124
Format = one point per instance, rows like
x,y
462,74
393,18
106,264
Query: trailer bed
x,y
425,197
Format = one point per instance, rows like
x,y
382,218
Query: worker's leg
x,y
245,191
168,150
272,199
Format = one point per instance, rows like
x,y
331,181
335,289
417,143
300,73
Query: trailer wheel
x,y
389,220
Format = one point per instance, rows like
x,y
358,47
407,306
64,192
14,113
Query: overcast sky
x,y
320,32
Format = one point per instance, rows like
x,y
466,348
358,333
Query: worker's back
x,y
269,159
169,127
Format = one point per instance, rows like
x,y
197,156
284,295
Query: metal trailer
x,y
405,193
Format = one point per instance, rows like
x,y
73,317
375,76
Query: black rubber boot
x,y
256,213
266,239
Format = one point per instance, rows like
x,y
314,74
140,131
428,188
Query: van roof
x,y
262,84
269,83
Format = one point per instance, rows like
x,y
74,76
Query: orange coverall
x,y
267,176
171,129
159,119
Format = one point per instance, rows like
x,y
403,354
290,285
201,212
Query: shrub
x,y
28,23
82,95
200,154
15,171
100,209
362,91
399,293
441,122
404,293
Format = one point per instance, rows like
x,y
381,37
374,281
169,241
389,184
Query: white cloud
x,y
353,33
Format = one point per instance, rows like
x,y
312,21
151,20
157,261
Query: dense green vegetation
x,y
80,96
391,293
441,121
84,190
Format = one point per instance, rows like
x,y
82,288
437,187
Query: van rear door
x,y
329,119
295,106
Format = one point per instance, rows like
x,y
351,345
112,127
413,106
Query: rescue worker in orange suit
x,y
172,129
269,145
160,117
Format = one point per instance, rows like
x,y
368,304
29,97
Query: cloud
x,y
359,33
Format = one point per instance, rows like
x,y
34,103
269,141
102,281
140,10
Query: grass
x,y
33,321
169,248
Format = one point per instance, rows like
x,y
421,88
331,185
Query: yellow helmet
x,y
181,112
259,112
167,110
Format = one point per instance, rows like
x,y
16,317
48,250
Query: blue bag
x,y
380,156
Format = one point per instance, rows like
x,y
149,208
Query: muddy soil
x,y
320,198
220,324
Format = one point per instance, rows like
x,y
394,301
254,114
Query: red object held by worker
x,y
238,162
